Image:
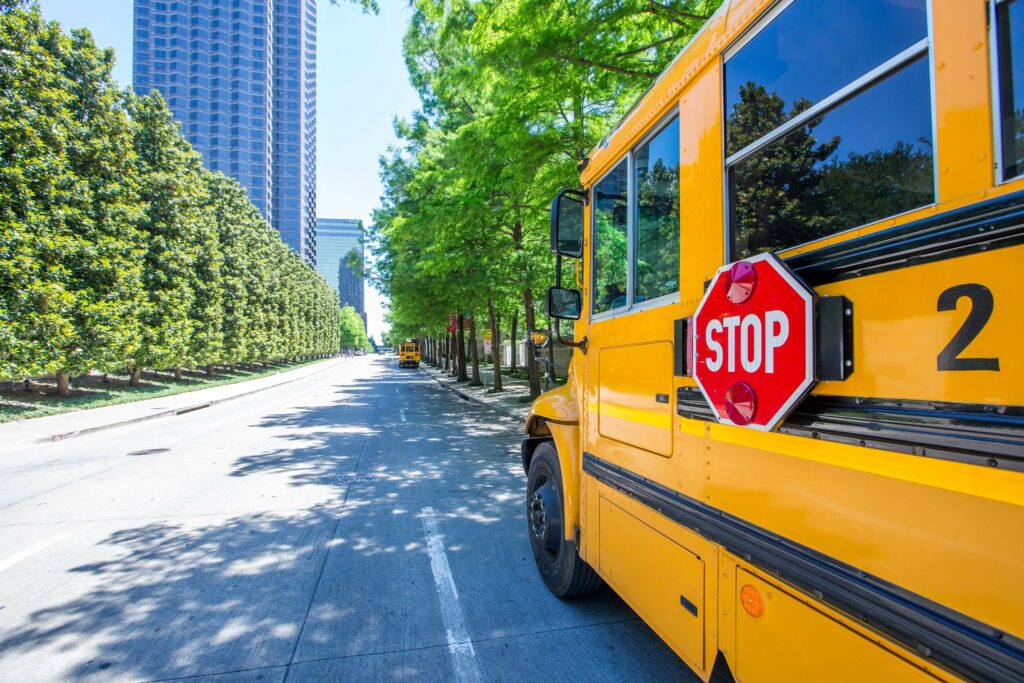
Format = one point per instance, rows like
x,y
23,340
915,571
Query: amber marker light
x,y
751,599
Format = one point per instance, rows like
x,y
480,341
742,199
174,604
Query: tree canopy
x,y
118,249
513,94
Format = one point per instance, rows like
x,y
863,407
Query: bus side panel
x,y
667,573
895,516
792,641
964,146
663,581
901,327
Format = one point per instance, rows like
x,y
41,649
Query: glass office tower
x,y
336,238
240,76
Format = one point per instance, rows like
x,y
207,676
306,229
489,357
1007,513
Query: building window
x,y
1009,23
828,121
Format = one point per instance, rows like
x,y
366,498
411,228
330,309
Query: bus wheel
x,y
560,565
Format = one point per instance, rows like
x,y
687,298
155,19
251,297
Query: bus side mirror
x,y
567,223
564,304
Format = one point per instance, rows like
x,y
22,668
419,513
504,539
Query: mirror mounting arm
x,y
583,196
581,344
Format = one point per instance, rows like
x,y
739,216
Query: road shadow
x,y
345,589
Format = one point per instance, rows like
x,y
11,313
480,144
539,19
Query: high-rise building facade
x,y
240,76
336,239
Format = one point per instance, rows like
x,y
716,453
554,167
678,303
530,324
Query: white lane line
x,y
30,551
401,411
459,645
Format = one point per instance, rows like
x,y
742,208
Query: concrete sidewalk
x,y
513,401
20,434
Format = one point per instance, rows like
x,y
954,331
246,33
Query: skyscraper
x,y
240,76
336,238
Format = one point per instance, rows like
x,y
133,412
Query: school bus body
x,y
882,526
409,355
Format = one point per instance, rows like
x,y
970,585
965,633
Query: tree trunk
x,y
474,353
63,383
177,374
495,345
447,348
531,362
513,340
461,349
136,379
210,370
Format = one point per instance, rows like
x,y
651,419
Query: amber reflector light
x,y
751,599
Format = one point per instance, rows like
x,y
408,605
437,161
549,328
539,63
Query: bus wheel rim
x,y
545,522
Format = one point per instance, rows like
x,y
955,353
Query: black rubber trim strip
x,y
989,436
988,225
963,645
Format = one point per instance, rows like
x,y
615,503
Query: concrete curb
x,y
469,397
166,413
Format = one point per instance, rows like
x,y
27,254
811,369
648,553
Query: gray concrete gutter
x,y
111,417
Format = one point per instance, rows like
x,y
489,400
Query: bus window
x,y
830,128
656,179
610,240
1010,46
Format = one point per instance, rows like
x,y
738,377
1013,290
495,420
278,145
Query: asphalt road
x,y
360,524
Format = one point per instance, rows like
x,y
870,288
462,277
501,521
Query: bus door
x,y
633,285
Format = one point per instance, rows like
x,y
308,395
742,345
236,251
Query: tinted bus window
x,y
868,158
656,179
610,240
814,48
1010,45
828,122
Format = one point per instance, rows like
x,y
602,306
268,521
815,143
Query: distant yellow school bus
x,y
409,355
871,525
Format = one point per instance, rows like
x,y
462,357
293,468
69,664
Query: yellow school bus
x,y
409,354
872,153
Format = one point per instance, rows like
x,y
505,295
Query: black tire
x,y
560,565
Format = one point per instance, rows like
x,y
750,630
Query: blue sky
x,y
362,85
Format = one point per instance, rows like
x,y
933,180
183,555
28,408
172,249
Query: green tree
x,y
513,93
234,219
352,330
173,198
69,286
207,311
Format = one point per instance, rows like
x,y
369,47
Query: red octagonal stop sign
x,y
753,342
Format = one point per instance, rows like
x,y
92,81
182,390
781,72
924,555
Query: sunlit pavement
x,y
359,524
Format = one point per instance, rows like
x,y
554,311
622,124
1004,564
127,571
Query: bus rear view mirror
x,y
564,304
567,223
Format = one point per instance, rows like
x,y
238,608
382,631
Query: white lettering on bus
x,y
757,341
